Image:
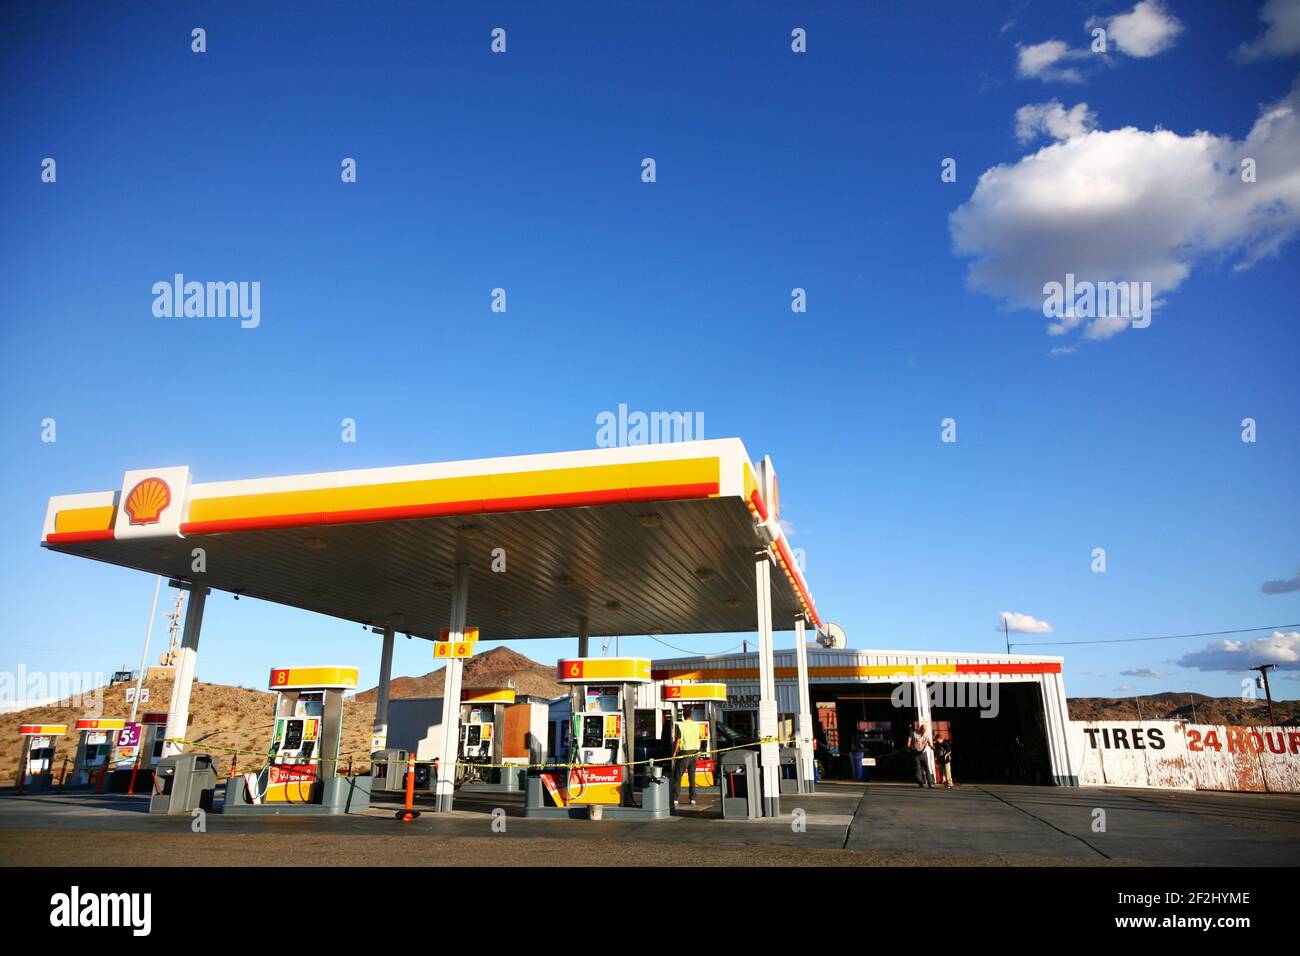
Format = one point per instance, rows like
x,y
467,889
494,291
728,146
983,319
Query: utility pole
x,y
1006,633
1263,673
144,654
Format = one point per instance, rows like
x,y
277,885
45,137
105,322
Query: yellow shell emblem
x,y
147,501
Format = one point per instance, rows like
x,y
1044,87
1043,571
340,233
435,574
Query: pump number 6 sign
x,y
448,649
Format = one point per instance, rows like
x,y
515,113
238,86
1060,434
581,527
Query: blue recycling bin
x,y
861,773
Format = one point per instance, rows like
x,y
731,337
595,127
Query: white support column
x,y
804,731
584,636
769,753
922,697
379,728
451,691
178,714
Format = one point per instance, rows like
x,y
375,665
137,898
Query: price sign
x,y
130,735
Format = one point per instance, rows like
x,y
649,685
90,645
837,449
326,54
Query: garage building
x,y
1006,714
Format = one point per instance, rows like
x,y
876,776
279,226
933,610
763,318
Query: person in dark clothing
x,y
943,757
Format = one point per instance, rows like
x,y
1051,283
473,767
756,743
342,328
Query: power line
x,y
1166,637
685,651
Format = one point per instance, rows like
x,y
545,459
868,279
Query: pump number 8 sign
x,y
443,650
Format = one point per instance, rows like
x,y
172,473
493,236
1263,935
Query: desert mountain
x,y
1196,708
499,667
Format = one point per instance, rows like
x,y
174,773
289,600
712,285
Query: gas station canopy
x,y
638,540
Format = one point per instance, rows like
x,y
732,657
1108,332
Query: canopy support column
x,y
446,785
806,776
584,635
178,713
769,751
379,728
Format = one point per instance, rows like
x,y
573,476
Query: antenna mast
x,y
173,631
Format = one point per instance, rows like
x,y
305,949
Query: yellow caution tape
x,y
268,756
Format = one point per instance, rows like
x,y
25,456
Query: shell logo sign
x,y
146,502
152,503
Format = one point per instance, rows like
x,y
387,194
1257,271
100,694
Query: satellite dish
x,y
833,637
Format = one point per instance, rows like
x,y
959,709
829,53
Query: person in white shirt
x,y
918,744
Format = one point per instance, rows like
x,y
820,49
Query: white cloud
x,y
1141,672
1277,648
1283,586
1128,205
1023,623
1281,36
1146,30
1053,120
1040,61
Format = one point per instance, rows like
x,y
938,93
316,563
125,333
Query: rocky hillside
x,y
499,667
239,718
1197,708
236,718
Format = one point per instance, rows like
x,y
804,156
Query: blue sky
x,y
774,170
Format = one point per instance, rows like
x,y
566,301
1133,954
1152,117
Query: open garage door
x,y
1003,742
862,718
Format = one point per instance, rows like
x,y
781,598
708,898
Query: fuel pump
x,y
302,769
153,733
697,703
141,743
482,735
36,761
95,739
602,699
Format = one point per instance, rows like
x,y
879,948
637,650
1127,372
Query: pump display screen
x,y
292,735
475,735
593,729
310,704
603,699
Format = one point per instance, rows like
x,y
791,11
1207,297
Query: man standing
x,y
686,748
919,744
